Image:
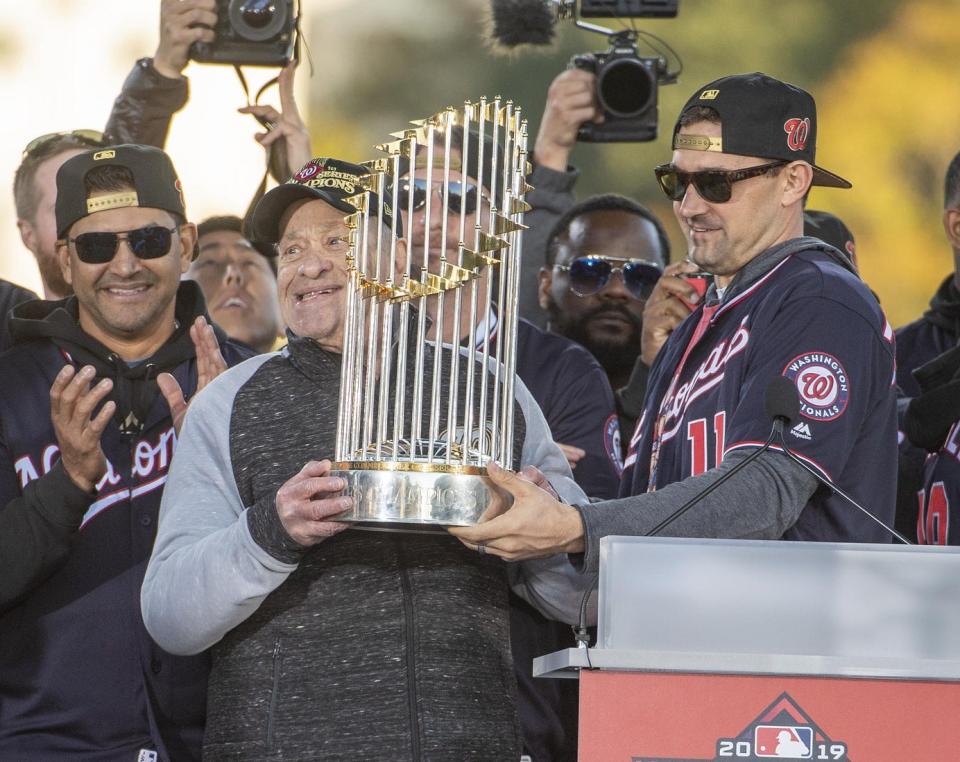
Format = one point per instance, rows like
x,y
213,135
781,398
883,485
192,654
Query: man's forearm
x,y
35,532
761,503
146,105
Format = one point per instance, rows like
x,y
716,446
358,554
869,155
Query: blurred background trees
x,y
884,73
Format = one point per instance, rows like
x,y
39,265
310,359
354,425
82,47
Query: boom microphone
x,y
786,389
522,22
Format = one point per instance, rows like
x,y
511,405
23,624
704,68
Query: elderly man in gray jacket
x,y
329,643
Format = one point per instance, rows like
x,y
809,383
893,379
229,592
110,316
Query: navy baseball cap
x,y
330,180
830,229
155,184
763,117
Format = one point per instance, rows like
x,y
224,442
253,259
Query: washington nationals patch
x,y
822,383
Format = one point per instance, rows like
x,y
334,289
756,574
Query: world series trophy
x,y
429,356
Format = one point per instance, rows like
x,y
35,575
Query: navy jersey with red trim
x,y
815,323
938,522
80,677
574,393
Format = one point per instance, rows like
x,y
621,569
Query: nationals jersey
x,y
939,499
796,312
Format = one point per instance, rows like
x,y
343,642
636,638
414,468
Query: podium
x,y
758,650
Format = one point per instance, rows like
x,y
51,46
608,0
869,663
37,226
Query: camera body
x,y
628,8
627,91
251,33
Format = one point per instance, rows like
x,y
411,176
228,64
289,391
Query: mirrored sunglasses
x,y
150,242
588,275
713,185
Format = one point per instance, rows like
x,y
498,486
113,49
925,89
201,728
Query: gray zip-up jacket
x,y
369,645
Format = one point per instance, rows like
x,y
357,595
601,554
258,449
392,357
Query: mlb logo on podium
x,y
783,742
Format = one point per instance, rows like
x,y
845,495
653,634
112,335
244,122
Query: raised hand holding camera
x,y
183,23
251,33
571,101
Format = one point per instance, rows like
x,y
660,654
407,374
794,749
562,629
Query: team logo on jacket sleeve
x,y
822,383
611,442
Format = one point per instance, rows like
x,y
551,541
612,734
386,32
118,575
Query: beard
x,y
52,276
616,354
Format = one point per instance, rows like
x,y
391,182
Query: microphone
x,y
782,404
522,22
785,388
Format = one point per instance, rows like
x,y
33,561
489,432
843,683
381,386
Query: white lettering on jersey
x,y
150,463
706,377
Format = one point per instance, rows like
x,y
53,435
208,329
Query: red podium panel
x,y
667,717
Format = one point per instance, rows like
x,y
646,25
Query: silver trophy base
x,y
418,496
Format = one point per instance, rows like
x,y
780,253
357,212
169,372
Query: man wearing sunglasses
x,y
566,382
95,390
780,305
603,259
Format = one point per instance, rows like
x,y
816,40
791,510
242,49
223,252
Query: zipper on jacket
x,y
277,663
411,650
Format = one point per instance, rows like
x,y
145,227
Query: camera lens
x,y
257,13
625,87
257,20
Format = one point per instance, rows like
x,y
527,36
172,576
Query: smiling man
x,y
83,466
239,282
780,305
313,624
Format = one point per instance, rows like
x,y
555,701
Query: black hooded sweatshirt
x,y
80,677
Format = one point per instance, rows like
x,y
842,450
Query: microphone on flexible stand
x,y
784,387
780,404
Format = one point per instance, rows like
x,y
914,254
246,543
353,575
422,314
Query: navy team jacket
x,y
80,678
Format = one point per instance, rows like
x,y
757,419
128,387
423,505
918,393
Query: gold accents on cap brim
x,y
698,143
112,201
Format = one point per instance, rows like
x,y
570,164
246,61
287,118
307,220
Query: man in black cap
x,y
780,305
239,282
87,438
329,643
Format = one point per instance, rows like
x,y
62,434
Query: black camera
x,y
251,33
633,9
627,91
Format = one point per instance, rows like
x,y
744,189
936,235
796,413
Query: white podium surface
x,y
773,607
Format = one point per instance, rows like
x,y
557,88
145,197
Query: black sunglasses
x,y
713,185
420,187
150,242
590,274
92,138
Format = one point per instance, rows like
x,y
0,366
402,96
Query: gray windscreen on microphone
x,y
522,22
782,400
